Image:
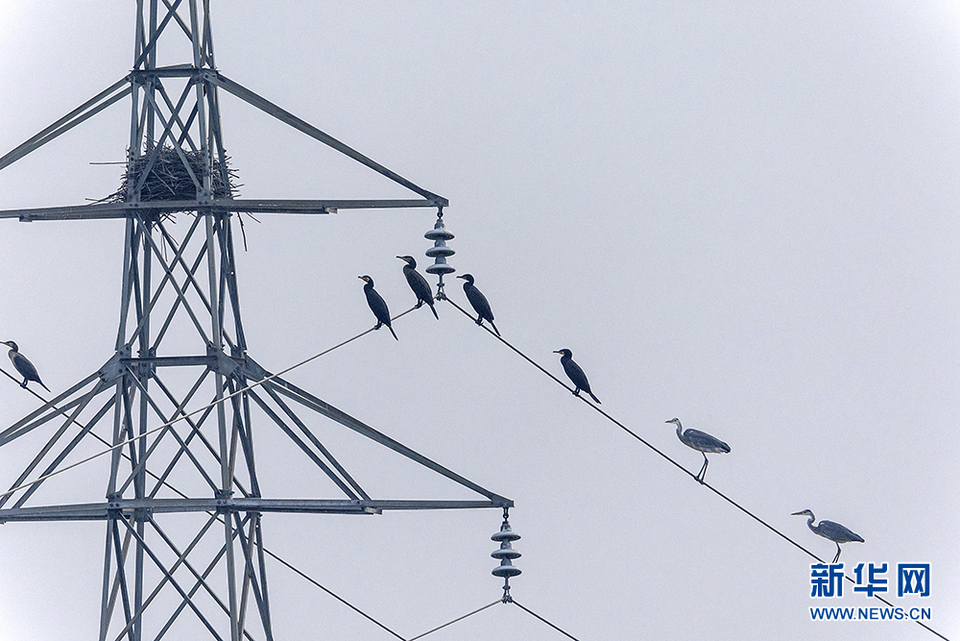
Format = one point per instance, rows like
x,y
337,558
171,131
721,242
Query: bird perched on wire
x,y
418,283
24,366
478,301
830,530
575,373
702,442
377,305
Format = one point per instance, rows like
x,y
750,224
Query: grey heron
x,y
702,442
478,301
575,373
418,283
377,305
24,366
830,530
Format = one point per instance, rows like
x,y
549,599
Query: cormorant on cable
x,y
24,366
575,373
479,302
377,305
418,283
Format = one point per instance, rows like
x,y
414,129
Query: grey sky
x,y
740,214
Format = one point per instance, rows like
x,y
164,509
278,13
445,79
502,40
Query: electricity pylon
x,y
183,501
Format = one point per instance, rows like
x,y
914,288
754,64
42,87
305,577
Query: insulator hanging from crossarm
x,y
439,252
506,554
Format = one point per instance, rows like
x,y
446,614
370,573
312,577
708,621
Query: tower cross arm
x,y
281,114
100,211
102,511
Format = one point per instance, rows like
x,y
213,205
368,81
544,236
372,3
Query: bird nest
x,y
168,179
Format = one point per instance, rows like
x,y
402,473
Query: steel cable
x,y
266,551
519,353
339,598
458,619
671,460
529,611
167,424
182,495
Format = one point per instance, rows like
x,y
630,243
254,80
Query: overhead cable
x,y
184,416
674,462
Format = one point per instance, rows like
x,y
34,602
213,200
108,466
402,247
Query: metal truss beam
x,y
285,116
178,421
128,508
112,94
104,211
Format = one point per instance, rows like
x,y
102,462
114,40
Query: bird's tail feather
x,y
392,332
594,398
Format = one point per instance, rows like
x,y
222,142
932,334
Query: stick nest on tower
x,y
169,179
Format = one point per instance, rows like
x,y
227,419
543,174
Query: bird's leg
x,y
378,325
703,470
479,320
838,554
24,384
576,392
418,305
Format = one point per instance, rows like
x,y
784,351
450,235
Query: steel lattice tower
x,y
183,503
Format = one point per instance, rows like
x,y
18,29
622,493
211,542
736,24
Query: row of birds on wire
x,y
695,439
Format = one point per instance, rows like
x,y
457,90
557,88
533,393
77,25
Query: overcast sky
x,y
743,215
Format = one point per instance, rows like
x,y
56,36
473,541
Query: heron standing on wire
x,y
377,305
702,442
418,283
24,366
830,530
479,302
575,373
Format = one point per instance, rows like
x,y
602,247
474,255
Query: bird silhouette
x,y
418,283
24,366
830,530
702,442
575,373
377,305
478,301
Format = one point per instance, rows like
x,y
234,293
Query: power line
x,y
507,599
529,611
510,600
316,583
457,620
671,460
164,426
220,518
266,551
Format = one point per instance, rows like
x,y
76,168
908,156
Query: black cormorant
x,y
479,302
377,305
24,366
575,373
418,283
